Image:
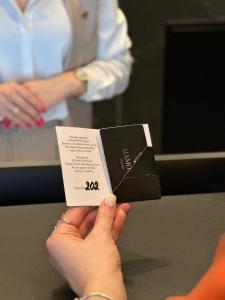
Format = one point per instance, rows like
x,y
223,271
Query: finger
x,y
88,222
6,109
66,229
27,107
76,215
27,113
105,215
6,123
32,98
19,116
17,109
126,207
12,117
118,224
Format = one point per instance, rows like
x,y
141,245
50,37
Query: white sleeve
x,y
109,74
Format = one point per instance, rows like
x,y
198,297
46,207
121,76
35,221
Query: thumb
x,y
106,214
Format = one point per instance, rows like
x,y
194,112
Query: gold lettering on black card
x,y
125,160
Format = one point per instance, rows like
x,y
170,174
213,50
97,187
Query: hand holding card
x,y
97,162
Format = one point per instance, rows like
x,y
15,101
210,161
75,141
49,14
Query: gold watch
x,y
82,75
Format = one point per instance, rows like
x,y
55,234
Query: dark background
x,y
143,101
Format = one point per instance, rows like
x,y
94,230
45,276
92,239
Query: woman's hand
x,y
89,260
55,89
20,106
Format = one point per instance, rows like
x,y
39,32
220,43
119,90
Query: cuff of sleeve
x,y
92,82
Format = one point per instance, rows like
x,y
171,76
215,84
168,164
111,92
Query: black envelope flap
x,y
130,162
139,188
144,164
122,145
141,182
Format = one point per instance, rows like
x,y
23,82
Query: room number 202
x,y
91,186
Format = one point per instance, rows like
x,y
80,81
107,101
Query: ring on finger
x,y
15,110
62,220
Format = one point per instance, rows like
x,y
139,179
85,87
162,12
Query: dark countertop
x,y
166,246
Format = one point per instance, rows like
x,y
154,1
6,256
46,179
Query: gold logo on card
x,y
125,161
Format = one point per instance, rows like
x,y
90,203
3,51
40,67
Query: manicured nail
x,y
43,109
40,122
110,200
7,123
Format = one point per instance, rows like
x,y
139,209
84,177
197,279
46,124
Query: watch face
x,y
82,75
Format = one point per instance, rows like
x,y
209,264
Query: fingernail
x,y
40,122
110,200
43,109
7,123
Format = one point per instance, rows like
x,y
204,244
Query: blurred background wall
x,y
142,102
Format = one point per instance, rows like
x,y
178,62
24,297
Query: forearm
x,y
109,74
69,84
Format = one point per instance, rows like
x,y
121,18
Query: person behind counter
x,y
52,51
90,260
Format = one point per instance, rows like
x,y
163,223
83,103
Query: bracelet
x,y
103,296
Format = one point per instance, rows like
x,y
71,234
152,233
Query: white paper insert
x,y
84,173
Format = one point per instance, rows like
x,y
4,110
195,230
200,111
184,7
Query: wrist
x,y
111,285
94,296
74,86
80,82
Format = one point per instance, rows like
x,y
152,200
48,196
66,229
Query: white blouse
x,y
34,44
